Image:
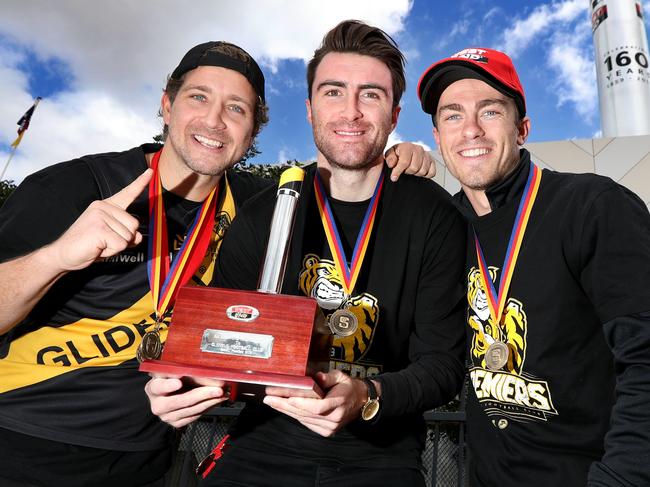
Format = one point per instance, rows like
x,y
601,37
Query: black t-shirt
x,y
408,300
348,216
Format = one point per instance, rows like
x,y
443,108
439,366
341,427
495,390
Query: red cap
x,y
493,67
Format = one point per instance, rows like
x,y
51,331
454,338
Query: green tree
x,y
6,188
269,171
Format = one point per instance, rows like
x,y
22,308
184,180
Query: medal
x,y
343,323
496,356
165,277
151,345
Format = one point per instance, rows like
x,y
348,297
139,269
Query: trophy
x,y
250,339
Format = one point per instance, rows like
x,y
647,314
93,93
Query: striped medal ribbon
x,y
165,277
348,274
497,354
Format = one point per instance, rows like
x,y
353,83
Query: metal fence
x,y
443,459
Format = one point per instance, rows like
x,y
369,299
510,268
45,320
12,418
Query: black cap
x,y
201,55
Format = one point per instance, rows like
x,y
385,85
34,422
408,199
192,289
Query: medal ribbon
x,y
166,279
348,274
496,301
225,209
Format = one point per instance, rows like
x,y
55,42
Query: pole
x,y
13,151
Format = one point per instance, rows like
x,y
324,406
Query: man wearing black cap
x,y
84,281
559,309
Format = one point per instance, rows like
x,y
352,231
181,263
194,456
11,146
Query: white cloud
x,y
543,19
75,124
491,13
286,154
119,53
564,31
570,56
458,29
396,138
282,156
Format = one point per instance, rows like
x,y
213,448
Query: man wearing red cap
x,y
559,306
79,291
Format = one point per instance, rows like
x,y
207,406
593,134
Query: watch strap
x,y
372,389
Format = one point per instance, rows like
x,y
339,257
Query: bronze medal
x,y
151,346
343,323
496,356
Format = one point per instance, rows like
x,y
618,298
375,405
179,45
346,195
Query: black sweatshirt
x,y
572,408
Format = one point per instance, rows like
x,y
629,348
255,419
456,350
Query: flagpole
x,y
13,151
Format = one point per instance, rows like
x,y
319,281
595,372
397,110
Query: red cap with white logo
x,y
493,67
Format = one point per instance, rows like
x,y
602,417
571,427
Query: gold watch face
x,y
370,409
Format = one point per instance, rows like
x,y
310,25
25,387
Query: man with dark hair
x,y
395,273
84,282
372,44
559,310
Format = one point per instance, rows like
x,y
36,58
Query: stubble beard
x,y
200,165
480,183
352,156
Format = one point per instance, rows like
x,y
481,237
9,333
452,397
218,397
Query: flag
x,y
23,123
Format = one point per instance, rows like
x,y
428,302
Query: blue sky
x,y
100,67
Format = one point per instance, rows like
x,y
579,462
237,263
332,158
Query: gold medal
x,y
496,356
150,347
343,323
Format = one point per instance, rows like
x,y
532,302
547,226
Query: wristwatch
x,y
371,407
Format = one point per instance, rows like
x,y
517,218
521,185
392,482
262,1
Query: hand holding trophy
x,y
251,339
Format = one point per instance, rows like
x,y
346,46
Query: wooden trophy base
x,y
240,383
255,342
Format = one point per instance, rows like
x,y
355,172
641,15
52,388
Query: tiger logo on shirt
x,y
320,280
511,331
509,391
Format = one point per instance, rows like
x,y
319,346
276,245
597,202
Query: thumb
x,y
330,379
123,198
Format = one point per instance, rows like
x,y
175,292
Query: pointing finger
x,y
122,199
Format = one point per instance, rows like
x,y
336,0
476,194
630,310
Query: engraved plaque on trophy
x,y
251,339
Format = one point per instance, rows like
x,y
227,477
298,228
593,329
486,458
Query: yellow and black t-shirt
x,y
68,370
